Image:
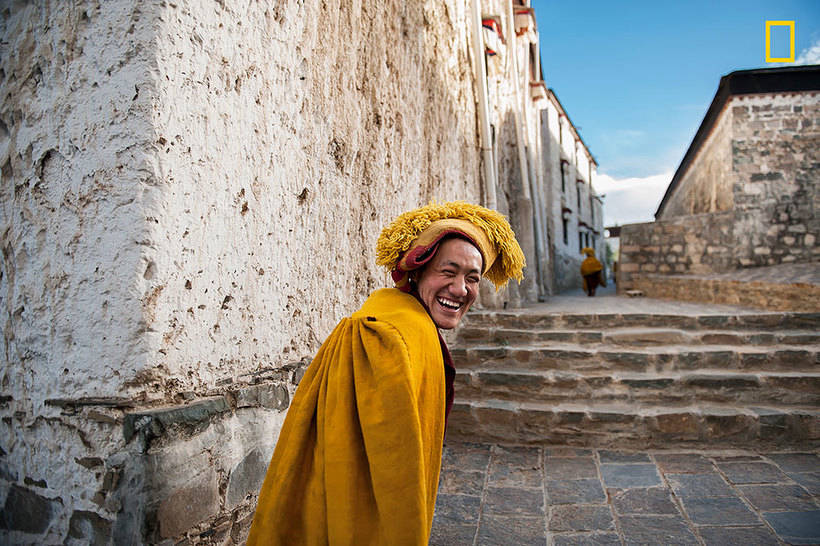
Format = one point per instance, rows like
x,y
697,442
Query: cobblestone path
x,y
514,495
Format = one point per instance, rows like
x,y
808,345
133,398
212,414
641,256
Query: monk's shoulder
x,y
399,309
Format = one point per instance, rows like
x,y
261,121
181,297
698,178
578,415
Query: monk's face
x,y
448,285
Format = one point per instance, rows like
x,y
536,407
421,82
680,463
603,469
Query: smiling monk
x,y
359,455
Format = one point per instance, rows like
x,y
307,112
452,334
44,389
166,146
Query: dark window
x,y
580,241
566,235
563,176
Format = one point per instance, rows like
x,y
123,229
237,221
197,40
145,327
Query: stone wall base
x,y
801,297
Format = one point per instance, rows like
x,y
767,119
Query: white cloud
x,y
810,55
631,200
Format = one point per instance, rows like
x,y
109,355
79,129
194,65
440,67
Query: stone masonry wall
x,y
687,245
774,172
191,195
776,167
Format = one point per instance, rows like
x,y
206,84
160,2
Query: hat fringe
x,y
396,238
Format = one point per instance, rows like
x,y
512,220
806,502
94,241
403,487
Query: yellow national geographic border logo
x,y
769,25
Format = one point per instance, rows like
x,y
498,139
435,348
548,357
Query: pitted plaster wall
x,y
290,136
76,178
76,99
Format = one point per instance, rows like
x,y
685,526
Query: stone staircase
x,y
638,380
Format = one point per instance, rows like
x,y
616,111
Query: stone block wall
x,y
774,296
773,159
776,168
191,194
687,245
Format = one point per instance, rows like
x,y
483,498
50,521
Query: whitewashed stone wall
x,y
575,200
516,122
290,137
191,194
75,146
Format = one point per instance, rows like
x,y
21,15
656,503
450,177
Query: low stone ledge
x,y
772,296
105,401
196,415
153,422
266,395
289,372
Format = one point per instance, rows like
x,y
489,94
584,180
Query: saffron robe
x,y
591,265
591,270
359,455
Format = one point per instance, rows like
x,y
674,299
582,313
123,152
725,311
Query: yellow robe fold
x,y
590,265
359,455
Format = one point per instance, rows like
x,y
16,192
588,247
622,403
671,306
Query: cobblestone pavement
x,y
516,495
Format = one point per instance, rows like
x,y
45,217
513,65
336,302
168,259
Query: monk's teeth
x,y
448,304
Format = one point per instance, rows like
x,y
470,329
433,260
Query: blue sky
x,y
637,78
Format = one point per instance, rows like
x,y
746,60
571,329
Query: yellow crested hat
x,y
411,240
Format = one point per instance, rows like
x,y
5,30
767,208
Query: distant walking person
x,y
592,272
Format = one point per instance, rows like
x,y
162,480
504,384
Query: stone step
x,y
641,336
632,425
576,357
783,388
523,319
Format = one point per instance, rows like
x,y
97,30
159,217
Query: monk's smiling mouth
x,y
449,304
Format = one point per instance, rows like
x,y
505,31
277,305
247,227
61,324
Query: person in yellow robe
x,y
591,271
359,455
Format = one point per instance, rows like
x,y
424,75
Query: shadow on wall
x,y
514,200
